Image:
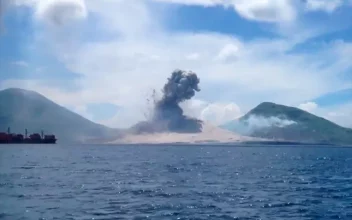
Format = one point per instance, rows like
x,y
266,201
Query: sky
x,y
102,59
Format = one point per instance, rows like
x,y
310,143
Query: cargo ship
x,y
12,138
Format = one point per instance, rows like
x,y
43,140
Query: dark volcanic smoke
x,y
168,115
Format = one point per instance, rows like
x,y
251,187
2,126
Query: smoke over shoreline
x,y
257,123
167,113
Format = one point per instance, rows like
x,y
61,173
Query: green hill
x,y
21,109
270,120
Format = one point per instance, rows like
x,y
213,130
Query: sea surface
x,y
175,182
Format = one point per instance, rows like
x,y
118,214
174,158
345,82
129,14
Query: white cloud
x,y
126,117
324,5
193,56
266,10
60,12
340,114
41,69
53,12
220,113
262,122
194,2
229,52
126,17
20,63
259,10
82,110
255,123
308,106
216,113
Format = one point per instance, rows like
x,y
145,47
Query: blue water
x,y
175,182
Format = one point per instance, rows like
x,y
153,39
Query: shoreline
x,y
236,143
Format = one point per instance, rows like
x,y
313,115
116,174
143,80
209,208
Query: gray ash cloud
x,y
168,115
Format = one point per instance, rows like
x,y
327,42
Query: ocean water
x,y
175,182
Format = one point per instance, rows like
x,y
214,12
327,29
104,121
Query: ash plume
x,y
167,113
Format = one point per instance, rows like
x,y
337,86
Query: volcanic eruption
x,y
168,115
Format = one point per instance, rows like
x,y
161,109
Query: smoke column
x,y
168,115
180,86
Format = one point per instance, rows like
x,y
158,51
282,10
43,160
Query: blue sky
x,y
102,58
216,19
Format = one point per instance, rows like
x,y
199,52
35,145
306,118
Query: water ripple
x,y
100,182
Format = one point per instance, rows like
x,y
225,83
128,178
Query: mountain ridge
x,y
22,109
276,121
